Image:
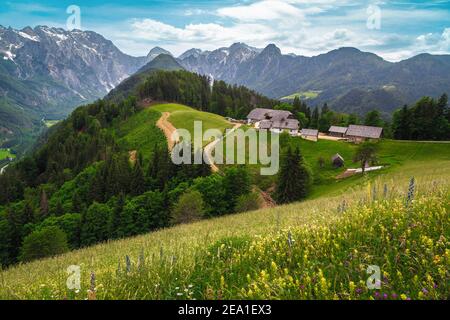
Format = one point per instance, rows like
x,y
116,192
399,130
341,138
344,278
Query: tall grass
x,y
317,249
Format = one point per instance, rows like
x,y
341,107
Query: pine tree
x,y
43,203
137,179
297,105
315,118
115,221
293,178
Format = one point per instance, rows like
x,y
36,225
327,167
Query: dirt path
x,y
209,148
168,128
3,168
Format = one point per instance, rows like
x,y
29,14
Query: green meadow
x,y
305,95
5,153
316,249
319,248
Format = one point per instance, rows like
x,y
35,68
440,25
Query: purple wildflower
x,y
394,296
424,290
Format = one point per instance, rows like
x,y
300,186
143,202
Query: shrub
x,y
248,202
46,242
188,208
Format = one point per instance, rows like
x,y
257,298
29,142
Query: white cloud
x,y
263,10
297,26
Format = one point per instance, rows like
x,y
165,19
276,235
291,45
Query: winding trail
x,y
168,128
207,152
3,168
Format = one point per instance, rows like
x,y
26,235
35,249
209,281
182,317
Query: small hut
x,y
337,161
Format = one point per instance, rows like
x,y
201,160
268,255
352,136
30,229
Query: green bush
x,y
43,243
188,208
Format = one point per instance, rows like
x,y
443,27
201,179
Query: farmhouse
x,y
336,131
274,120
310,134
358,133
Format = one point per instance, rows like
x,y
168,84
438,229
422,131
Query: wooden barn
x,y
336,131
356,133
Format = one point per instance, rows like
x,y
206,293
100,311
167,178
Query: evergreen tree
x,y
116,215
137,179
43,203
315,118
236,183
373,118
297,105
293,179
94,224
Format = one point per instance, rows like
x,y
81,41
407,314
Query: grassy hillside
x,y
141,133
393,155
5,153
183,117
250,255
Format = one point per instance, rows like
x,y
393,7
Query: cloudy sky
x,y
394,30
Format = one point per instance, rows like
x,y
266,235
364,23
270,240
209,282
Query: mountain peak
x,y
156,51
162,62
191,52
271,49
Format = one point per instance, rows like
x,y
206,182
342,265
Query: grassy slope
x,y
141,133
5,154
303,95
173,256
253,240
183,117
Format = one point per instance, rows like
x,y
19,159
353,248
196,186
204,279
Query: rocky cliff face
x,y
46,72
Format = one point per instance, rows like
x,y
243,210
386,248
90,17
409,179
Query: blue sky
x,y
394,30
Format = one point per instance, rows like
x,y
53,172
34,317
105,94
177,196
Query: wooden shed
x,y
310,134
337,161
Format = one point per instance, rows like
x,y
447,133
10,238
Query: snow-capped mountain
x,y
222,63
46,72
84,62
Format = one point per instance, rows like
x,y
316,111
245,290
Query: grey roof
x,y
337,156
364,131
265,124
261,114
310,132
291,124
338,129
